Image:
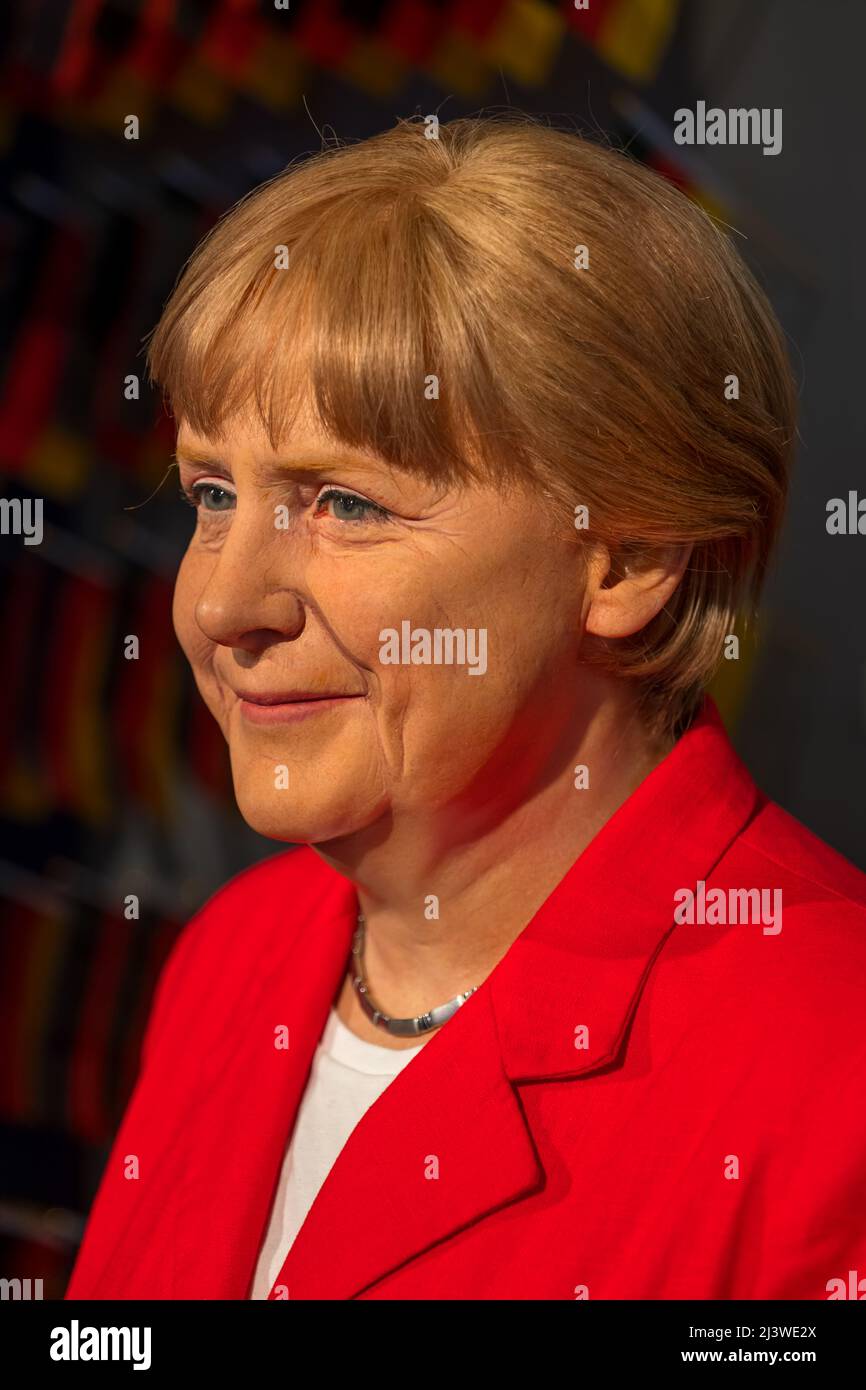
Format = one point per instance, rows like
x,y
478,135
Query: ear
x,y
627,598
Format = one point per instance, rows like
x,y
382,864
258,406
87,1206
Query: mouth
x,y
284,707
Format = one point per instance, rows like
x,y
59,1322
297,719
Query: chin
x,y
300,818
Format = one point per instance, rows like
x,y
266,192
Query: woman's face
x,y
315,572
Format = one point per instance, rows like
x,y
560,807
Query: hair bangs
x,y
362,319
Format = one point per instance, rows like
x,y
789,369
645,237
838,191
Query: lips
x,y
271,707
292,697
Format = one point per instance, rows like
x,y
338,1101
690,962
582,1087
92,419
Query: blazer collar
x,y
580,963
584,957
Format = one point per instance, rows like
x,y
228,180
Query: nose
x,y
248,601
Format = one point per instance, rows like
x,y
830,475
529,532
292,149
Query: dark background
x,y
113,778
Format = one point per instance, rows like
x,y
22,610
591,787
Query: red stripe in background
x,y
206,750
164,433
150,621
234,32
84,605
412,29
157,50
74,67
87,64
476,17
35,1258
25,89
588,22
671,171
324,34
33,379
88,1110
132,448
114,440
21,606
19,923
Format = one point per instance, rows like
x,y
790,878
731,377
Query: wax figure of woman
x,y
487,430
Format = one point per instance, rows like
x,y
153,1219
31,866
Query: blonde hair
x,y
455,257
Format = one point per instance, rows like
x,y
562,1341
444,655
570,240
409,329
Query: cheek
x,y
359,598
512,608
478,597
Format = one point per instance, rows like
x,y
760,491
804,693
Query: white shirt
x,y
347,1076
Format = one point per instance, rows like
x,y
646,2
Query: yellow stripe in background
x,y
458,66
125,93
24,794
526,41
59,463
200,93
730,684
275,74
633,36
159,755
709,205
374,68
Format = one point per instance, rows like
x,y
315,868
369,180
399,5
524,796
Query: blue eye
x,y
210,497
349,507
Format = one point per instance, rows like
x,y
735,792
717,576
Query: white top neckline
x,y
341,1045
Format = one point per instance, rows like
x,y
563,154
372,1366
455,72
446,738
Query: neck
x,y
446,892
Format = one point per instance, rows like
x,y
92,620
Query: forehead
x,y
245,432
243,452
245,439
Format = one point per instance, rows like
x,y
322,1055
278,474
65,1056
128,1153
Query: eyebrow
x,y
310,460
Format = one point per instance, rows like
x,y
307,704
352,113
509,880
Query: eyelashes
x,y
349,507
360,508
196,494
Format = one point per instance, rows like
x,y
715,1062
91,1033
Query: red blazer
x,y
708,1142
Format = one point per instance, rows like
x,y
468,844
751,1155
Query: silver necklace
x,y
400,1027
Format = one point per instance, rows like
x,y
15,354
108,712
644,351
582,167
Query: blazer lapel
x,y
444,1144
231,1171
447,1142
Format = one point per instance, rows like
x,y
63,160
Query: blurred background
x,y
113,778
